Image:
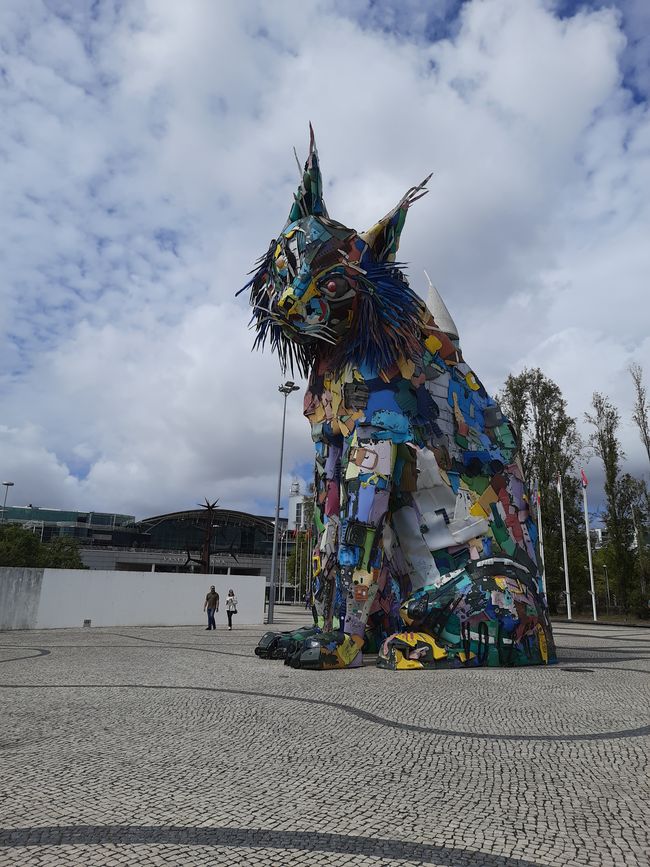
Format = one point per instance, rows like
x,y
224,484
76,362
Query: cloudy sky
x,y
147,160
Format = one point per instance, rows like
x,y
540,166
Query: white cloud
x,y
147,162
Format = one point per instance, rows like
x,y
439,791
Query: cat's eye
x,y
332,285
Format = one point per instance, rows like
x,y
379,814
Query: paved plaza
x,y
169,746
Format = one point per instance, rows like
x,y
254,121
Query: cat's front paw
x,y
329,650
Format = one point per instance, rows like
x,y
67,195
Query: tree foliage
x,y
298,562
640,412
62,553
21,547
620,492
549,443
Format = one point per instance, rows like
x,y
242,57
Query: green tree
x,y
298,562
61,553
621,494
21,547
549,444
634,506
640,413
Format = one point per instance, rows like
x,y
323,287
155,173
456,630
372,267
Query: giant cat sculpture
x,y
421,510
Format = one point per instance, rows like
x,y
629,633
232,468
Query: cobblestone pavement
x,y
167,746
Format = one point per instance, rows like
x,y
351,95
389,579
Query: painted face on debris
x,y
318,279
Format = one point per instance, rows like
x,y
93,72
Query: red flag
x,y
584,478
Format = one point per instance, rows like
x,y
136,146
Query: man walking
x,y
212,605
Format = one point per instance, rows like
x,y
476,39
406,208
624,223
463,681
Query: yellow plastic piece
x,y
406,368
470,379
402,663
477,511
433,344
543,646
488,497
318,414
458,414
412,638
348,650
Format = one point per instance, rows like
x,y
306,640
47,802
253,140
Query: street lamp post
x,y
7,485
286,390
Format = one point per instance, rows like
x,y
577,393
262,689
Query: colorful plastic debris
x,y
280,645
419,487
328,650
488,613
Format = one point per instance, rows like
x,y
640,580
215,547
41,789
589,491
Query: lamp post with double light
x,y
286,390
7,485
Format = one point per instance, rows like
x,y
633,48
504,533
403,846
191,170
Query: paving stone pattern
x,y
168,746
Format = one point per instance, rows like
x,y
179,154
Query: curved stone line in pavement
x,y
41,652
621,638
619,668
160,643
604,649
254,838
345,708
590,660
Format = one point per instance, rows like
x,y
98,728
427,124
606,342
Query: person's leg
x,y
211,623
229,619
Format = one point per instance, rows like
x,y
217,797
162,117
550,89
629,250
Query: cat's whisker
x,y
319,332
325,339
259,322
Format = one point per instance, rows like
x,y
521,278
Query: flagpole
x,y
566,559
541,537
591,566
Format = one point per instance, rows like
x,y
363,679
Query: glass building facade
x,y
94,528
232,532
240,543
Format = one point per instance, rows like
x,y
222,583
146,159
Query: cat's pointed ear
x,y
308,200
383,237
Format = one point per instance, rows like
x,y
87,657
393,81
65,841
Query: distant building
x,y
241,543
299,517
599,535
88,528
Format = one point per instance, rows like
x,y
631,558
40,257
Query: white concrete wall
x,y
20,592
70,596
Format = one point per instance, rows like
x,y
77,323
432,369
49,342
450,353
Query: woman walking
x,y
231,606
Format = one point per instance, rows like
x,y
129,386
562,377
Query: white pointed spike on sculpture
x,y
440,313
